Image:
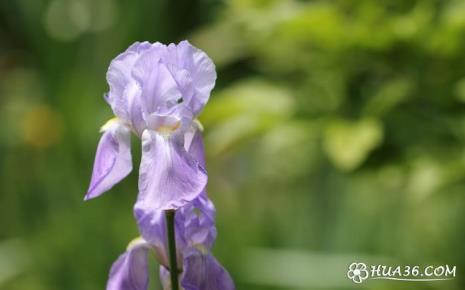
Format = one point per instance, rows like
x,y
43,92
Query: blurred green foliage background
x,y
335,134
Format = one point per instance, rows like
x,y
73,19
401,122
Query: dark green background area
x,y
335,134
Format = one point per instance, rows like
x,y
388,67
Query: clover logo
x,y
357,272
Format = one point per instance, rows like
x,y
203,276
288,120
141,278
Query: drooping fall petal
x,y
168,177
113,160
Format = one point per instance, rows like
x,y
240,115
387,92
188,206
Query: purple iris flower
x,y
195,235
156,91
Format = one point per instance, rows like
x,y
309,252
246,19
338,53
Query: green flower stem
x,y
169,215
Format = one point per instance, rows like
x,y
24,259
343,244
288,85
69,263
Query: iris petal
x,y
204,272
201,70
160,91
123,96
193,143
113,160
130,270
168,177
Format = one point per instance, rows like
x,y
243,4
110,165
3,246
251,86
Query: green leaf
x,y
349,143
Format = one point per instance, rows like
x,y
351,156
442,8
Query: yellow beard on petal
x,y
109,123
135,242
201,248
166,130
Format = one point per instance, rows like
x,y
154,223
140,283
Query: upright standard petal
x,y
201,70
130,271
124,92
160,91
113,160
168,177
